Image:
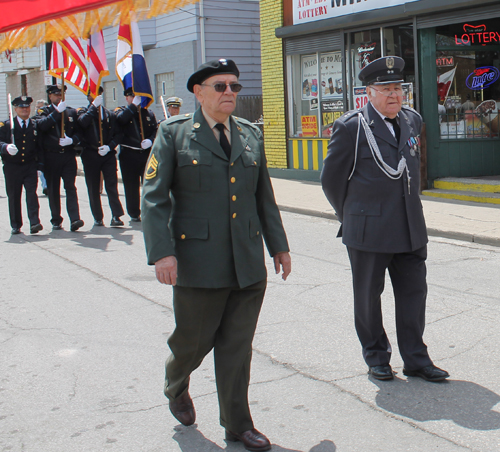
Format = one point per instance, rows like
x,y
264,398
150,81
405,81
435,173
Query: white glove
x,y
137,100
66,141
39,173
103,150
12,149
97,101
146,144
61,107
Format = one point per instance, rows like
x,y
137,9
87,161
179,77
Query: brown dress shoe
x,y
252,440
183,409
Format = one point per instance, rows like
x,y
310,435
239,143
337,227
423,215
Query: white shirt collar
x,y
20,121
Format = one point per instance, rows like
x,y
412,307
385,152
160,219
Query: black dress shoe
x,y
252,440
98,223
183,409
57,227
36,228
115,221
75,225
135,219
428,373
383,372
15,231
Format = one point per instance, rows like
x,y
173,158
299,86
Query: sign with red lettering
x,y
476,35
360,97
445,61
311,10
309,126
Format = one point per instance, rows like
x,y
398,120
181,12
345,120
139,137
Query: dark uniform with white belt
x,y
371,177
207,205
100,157
60,156
21,161
134,149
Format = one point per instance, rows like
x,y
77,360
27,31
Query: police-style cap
x,y
174,102
382,71
128,92
55,89
22,101
210,68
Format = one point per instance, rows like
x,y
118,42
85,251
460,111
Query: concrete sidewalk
x,y
471,222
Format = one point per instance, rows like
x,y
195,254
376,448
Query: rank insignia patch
x,y
151,169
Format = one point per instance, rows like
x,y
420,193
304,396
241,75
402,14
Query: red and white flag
x,y
68,56
8,55
98,64
444,82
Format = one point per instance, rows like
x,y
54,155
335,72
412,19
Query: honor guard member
x,y
174,105
39,104
21,161
100,156
60,156
207,204
371,177
134,149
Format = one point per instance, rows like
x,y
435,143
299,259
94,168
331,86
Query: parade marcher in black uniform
x,y
39,104
21,161
134,149
60,156
100,157
371,176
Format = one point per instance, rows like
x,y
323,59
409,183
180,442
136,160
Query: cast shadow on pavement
x,y
463,402
190,439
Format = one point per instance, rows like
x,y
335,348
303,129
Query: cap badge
x,y
389,62
24,98
223,61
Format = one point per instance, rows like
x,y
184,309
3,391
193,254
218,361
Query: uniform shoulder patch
x,y
2,124
40,111
117,109
151,168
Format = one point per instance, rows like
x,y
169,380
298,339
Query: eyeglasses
x,y
221,87
389,92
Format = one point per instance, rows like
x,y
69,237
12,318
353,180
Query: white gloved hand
x,y
61,106
97,101
12,149
146,144
66,141
103,150
39,173
137,100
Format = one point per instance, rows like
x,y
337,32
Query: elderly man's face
x,y
387,99
217,105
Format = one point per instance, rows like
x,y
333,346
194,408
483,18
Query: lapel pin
x,y
196,125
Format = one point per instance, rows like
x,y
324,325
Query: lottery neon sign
x,y
482,77
476,34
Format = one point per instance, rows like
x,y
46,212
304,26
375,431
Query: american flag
x,y
68,56
8,55
98,65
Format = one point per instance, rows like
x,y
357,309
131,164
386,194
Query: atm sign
x,y
445,61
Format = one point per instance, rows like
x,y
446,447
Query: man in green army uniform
x,y
207,203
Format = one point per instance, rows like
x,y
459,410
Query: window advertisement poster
x,y
360,97
331,110
309,126
331,74
407,94
309,77
311,10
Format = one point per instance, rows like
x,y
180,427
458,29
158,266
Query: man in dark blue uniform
x,y
371,177
60,156
98,156
21,161
138,135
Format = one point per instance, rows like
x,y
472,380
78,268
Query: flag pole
x,y
163,106
100,125
11,117
62,100
140,122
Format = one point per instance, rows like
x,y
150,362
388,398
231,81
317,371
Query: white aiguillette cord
x,y
390,172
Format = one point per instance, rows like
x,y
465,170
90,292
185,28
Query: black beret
x,y
22,101
128,92
210,68
382,71
55,89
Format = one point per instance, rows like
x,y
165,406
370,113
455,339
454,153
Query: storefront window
x,y
317,93
468,81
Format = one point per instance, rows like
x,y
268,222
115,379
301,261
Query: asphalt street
x,y
83,329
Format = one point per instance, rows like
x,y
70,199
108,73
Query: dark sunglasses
x,y
221,87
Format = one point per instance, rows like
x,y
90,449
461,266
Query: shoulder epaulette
x,y
179,118
245,121
404,107
350,114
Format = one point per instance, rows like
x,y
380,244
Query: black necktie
x,y
224,143
24,124
397,130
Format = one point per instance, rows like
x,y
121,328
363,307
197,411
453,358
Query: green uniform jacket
x,y
211,213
